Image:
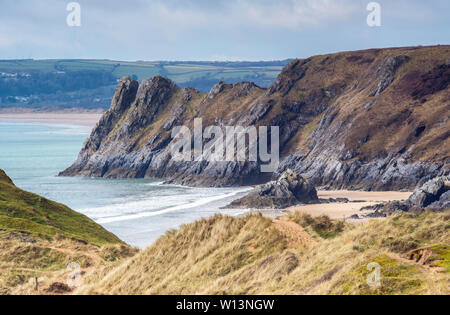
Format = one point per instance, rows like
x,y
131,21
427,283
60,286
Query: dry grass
x,y
26,257
321,226
39,238
181,262
249,255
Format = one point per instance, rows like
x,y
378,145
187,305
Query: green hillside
x,y
26,212
179,71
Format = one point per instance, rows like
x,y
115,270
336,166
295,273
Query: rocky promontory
x,y
375,120
289,190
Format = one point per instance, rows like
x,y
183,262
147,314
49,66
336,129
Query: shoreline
x,y
53,118
337,211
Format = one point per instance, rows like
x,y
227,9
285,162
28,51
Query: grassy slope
x,y
249,255
39,238
26,257
27,212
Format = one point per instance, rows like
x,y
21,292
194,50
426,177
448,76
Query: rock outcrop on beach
x,y
289,190
374,120
433,196
434,193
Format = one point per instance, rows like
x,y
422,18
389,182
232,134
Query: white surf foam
x,y
194,204
160,183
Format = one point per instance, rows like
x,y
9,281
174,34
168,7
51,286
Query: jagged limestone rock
x,y
386,72
289,190
430,193
434,195
326,132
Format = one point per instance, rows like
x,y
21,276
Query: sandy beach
x,y
358,200
78,119
369,196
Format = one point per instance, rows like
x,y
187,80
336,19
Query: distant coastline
x,y
81,118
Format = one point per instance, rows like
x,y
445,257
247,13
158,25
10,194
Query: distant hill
x,y
90,84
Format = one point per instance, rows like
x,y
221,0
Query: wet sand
x,y
77,119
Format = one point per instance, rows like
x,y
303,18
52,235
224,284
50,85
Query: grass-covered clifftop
x,y
27,212
297,254
39,238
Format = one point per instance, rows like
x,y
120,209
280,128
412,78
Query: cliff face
x,y
375,119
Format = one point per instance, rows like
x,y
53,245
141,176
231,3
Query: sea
x,y
138,211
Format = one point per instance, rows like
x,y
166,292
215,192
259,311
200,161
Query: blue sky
x,y
214,29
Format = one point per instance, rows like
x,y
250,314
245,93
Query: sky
x,y
214,30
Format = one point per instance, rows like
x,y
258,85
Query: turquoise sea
x,y
136,210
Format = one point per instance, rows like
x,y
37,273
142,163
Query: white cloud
x,y
294,15
5,42
200,29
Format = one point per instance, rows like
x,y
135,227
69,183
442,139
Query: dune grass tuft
x,y
224,255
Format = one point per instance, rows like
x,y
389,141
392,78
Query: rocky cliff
x,y
374,119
